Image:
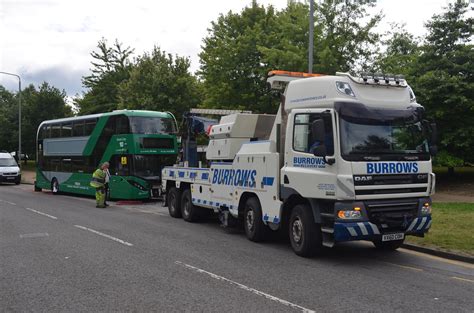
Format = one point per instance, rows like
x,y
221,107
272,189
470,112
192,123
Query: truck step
x,y
328,215
327,230
328,238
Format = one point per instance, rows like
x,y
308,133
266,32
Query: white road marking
x,y
463,279
244,287
41,213
404,266
11,203
104,235
34,235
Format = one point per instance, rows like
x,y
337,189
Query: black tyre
x,y
17,182
255,229
388,245
305,235
174,202
189,211
37,189
54,186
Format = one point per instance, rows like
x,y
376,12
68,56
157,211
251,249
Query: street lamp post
x,y
19,114
311,32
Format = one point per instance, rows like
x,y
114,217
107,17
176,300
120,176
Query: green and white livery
x,y
137,144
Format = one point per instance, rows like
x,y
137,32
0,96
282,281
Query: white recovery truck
x,y
345,158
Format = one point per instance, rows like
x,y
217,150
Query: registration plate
x,y
391,237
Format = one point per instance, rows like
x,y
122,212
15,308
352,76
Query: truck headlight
x,y
353,214
426,208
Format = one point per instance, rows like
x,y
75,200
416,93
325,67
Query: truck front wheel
x,y
305,234
254,227
174,202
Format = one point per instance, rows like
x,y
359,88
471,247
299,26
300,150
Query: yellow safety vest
x,y
98,178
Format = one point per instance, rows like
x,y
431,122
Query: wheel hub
x,y
297,230
250,220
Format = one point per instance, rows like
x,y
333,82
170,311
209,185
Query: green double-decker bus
x,y
137,144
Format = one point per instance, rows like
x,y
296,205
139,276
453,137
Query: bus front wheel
x,y
54,186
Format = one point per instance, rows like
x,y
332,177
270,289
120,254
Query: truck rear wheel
x,y
254,227
174,202
388,245
189,212
305,234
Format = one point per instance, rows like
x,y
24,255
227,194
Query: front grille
x,y
389,191
392,215
394,179
10,174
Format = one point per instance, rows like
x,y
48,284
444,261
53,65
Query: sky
x,y
51,40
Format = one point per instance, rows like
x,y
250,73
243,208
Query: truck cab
x,y
357,151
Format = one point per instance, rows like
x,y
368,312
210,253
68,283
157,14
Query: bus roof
x,y
142,113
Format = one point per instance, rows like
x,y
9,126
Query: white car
x,y
9,170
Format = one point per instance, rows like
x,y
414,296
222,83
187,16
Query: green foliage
x,y
401,54
111,67
242,48
445,159
44,103
231,62
451,229
440,71
160,82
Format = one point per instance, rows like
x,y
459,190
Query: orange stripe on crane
x,y
293,74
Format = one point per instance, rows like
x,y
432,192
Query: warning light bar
x,y
292,74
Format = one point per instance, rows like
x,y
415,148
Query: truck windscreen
x,y
378,135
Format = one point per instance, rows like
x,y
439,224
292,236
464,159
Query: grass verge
x,y
451,229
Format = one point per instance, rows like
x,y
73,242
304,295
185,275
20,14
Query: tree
x,y
401,53
445,82
242,48
231,63
111,66
160,82
45,103
8,120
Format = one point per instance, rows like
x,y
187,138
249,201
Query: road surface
x,y
60,253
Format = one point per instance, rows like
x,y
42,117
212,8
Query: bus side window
x,y
89,126
78,129
55,130
122,125
66,130
47,131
